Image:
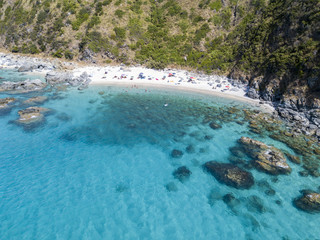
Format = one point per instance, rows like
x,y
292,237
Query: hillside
x,y
274,45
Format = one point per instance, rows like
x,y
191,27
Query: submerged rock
x,y
190,149
230,174
64,117
4,102
266,158
182,173
171,187
255,204
32,115
308,202
292,158
215,125
231,201
36,100
237,152
176,153
266,187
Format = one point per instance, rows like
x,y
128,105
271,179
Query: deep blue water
x,y
98,167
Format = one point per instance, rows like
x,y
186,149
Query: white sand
x,y
181,81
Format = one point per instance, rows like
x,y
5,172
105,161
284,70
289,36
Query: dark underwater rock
x,y
236,160
231,201
182,173
208,137
278,202
190,149
308,202
304,173
171,187
215,125
266,187
64,117
237,151
270,192
266,158
176,153
255,204
230,174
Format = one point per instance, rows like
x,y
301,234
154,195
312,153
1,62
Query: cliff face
x,y
282,47
273,45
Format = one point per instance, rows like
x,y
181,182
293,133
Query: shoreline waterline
x,y
177,89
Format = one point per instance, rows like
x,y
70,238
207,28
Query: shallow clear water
x,y
98,167
14,76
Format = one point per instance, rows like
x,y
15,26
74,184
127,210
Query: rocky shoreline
x,y
301,118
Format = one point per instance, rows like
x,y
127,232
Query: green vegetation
x,y
278,39
81,17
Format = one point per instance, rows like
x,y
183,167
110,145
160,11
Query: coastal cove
x,y
116,152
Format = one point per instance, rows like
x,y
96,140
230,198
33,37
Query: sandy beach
x,y
171,79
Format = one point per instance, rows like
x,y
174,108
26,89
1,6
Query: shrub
x,y
136,6
95,20
42,17
201,33
118,2
135,27
82,16
99,10
120,33
68,54
106,2
216,5
58,54
33,49
15,49
119,13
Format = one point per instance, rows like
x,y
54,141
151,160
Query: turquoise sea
x,y
100,167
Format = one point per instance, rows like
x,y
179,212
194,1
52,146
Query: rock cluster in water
x,y
23,86
309,202
182,173
32,115
266,158
176,153
4,102
230,174
36,100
